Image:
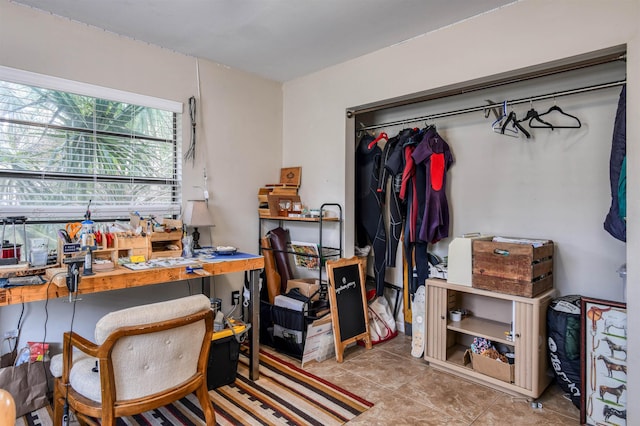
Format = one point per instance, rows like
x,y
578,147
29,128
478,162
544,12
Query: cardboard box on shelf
x,y
308,286
490,367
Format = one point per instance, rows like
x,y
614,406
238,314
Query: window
x,y
64,145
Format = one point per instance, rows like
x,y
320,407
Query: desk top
x,y
122,277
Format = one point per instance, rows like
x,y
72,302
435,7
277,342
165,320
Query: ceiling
x,y
276,39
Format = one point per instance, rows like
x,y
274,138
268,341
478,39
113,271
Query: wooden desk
x,y
121,278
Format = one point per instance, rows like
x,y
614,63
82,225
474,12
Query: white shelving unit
x,y
492,316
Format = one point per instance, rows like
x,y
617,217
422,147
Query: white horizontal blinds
x,y
58,150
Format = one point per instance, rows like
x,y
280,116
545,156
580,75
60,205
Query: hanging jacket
x,y
614,223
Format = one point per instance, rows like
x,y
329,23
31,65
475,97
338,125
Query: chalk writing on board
x,y
345,285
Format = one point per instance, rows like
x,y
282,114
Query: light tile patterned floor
x,y
407,391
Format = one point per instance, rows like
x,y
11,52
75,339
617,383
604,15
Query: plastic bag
x,y
382,325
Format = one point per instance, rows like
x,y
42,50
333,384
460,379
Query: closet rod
x,y
486,107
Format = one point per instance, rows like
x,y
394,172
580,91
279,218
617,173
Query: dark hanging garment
x,y
434,155
369,204
393,165
615,223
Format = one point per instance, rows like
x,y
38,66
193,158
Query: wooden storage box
x,y
165,244
511,268
125,242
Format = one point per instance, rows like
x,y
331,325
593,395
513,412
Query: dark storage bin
x,y
222,367
291,326
284,329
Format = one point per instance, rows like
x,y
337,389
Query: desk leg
x,y
206,283
254,332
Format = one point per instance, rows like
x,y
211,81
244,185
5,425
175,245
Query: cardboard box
x,y
512,268
459,258
308,286
490,367
319,344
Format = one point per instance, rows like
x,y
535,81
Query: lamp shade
x,y
197,214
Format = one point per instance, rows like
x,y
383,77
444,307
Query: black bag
x,y
563,331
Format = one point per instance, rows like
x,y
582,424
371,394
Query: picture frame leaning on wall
x,y
604,362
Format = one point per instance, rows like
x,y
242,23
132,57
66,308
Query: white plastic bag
x,y
382,325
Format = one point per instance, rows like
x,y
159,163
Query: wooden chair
x,y
147,357
7,408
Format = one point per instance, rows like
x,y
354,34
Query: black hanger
x,y
511,118
532,114
558,109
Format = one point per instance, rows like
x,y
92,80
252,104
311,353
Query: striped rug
x,y
284,395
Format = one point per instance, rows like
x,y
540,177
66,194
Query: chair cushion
x,y
55,367
84,380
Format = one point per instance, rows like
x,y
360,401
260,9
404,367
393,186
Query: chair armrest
x,y
70,340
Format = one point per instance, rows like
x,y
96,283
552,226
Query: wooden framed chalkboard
x,y
348,301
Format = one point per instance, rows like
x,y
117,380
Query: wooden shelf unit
x,y
324,252
491,316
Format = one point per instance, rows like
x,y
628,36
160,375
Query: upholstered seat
x,y
144,357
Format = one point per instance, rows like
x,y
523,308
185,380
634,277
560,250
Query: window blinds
x,y
60,149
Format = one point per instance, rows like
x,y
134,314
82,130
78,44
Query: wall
x,y
238,141
524,35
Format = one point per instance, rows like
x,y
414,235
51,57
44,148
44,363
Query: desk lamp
x,y
197,215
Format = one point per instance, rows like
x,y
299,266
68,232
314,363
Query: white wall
x,y
238,140
524,35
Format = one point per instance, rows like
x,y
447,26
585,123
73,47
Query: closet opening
x,y
530,158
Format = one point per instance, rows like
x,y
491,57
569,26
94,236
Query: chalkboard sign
x,y
348,300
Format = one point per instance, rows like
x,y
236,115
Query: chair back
x,y
148,360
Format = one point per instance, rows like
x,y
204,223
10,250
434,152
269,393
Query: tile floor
x,y
407,391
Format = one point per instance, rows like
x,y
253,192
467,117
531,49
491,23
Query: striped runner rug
x,y
284,395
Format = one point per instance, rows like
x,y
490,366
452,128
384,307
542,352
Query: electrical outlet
x,y
11,334
235,297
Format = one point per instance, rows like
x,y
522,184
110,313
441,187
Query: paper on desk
x,y
138,266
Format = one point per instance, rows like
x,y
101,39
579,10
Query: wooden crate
x,y
510,268
159,243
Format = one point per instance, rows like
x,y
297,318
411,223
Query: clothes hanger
x,y
512,118
532,114
556,108
497,125
492,108
500,125
381,136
